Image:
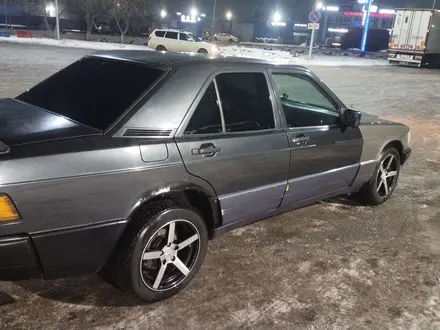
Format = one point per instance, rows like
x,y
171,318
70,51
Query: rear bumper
x,y
18,260
406,155
405,62
57,254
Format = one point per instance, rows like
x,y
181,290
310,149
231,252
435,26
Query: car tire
x,y
161,48
385,177
170,267
202,51
231,40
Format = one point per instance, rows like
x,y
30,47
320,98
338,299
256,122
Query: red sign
x,y
314,16
353,13
359,13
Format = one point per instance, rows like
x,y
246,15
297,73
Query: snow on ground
x,y
278,56
286,57
70,43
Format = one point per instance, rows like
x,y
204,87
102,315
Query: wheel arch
x,y
398,145
203,200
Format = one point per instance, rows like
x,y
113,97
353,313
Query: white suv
x,y
179,41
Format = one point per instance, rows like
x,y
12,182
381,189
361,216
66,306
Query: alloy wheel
x,y
387,176
170,255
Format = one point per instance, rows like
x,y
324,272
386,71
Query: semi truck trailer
x,y
415,38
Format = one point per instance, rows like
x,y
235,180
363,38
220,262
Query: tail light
x,y
149,37
8,212
418,58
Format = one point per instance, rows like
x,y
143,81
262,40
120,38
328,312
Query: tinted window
x,y
303,103
93,91
206,118
159,34
245,102
184,36
171,35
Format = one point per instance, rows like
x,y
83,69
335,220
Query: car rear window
x,y
93,91
159,34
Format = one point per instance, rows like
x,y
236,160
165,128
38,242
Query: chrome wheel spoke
x,y
390,162
391,174
187,242
171,230
379,185
385,184
159,276
152,255
181,266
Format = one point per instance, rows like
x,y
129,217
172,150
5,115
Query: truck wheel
x,y
161,48
160,252
202,51
381,186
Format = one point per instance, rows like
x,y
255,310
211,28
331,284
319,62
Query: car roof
x,y
172,60
172,30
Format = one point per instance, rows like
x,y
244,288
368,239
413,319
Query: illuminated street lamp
x,y
229,15
277,17
193,12
163,13
50,10
319,5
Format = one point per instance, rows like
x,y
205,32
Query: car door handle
x,y
206,150
301,139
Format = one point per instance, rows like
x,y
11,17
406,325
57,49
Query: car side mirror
x,y
352,118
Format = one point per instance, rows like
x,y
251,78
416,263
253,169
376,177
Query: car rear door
x,y
233,139
171,41
325,154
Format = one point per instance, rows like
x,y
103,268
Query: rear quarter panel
x,y
63,190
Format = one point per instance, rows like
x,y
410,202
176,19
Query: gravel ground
x,y
329,266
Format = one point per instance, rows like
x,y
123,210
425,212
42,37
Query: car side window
x,y
304,104
184,37
159,34
206,118
246,103
171,35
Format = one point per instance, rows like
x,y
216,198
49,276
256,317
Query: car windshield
x,y
93,91
193,37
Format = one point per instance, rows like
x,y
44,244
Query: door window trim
x,y
210,79
323,89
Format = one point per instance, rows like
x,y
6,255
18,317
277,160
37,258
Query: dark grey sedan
x,y
127,163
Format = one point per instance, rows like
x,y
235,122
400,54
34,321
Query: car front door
x,y
186,44
325,154
233,139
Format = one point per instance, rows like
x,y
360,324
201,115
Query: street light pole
x,y
433,4
57,17
6,16
213,14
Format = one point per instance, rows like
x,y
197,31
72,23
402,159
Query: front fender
x,y
377,136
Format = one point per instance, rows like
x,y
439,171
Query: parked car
x,y
131,161
179,41
227,37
